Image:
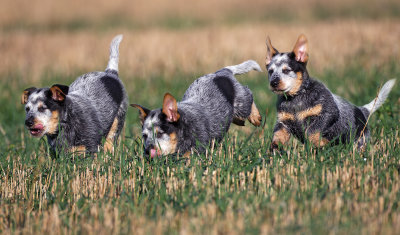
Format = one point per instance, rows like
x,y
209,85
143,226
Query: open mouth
x,y
36,130
155,153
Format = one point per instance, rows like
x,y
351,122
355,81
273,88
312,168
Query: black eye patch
x,y
286,70
270,71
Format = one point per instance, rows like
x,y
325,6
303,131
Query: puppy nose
x,y
147,148
29,122
274,83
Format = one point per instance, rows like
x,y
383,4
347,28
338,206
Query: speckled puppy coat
x,y
208,107
307,109
78,117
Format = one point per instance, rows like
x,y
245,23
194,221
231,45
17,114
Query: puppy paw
x,y
255,117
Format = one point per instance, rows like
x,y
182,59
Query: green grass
x,y
236,187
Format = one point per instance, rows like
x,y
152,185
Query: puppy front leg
x,y
316,139
319,126
281,136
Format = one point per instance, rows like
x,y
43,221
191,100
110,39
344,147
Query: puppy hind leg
x,y
362,140
109,143
254,117
243,105
116,128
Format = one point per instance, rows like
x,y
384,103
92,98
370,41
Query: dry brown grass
x,y
100,182
149,12
157,51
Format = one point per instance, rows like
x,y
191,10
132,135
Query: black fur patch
x,y
226,88
166,126
114,88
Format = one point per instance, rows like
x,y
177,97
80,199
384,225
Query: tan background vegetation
x,y
69,36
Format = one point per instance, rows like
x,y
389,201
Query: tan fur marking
x,y
80,148
142,112
173,142
313,111
187,154
297,85
53,123
109,143
255,117
285,116
24,97
317,140
171,146
281,136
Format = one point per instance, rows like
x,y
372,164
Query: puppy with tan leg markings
x,y
78,117
307,109
208,107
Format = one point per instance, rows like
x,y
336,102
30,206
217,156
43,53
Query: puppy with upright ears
x,y
78,117
207,109
307,109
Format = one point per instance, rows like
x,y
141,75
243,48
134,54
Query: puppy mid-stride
x,y
208,107
79,117
307,109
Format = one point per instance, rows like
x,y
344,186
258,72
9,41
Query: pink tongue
x,y
153,153
38,126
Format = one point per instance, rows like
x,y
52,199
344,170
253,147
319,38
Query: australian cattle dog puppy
x,y
208,107
307,109
78,117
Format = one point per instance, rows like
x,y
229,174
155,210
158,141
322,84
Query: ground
x,y
238,186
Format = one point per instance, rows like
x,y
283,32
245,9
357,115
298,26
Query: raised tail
x,y
380,99
244,67
114,53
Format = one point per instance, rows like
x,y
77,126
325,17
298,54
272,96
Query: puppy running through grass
x,y
207,109
309,110
78,117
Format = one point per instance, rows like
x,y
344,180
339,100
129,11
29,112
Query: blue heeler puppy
x,y
207,109
307,109
78,117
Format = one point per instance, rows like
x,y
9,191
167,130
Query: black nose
x,y
29,122
147,148
274,83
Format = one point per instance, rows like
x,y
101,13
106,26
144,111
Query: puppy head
x,y
285,70
42,107
160,127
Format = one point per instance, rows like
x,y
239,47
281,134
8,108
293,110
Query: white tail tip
x,y
382,96
114,53
244,67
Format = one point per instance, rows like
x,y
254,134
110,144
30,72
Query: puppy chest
x,y
298,115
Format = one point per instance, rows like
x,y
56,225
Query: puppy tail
x,y
244,67
114,53
382,95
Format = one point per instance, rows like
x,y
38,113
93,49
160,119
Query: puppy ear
x,y
170,108
26,93
301,49
143,112
271,51
59,92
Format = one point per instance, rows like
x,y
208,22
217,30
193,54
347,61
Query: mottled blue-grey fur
x,y
208,107
91,104
307,109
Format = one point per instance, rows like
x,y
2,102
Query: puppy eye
x,y
159,134
144,136
270,71
27,109
286,70
41,109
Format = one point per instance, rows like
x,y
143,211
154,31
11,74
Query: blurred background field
x,y
354,47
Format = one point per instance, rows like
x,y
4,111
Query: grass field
x,y
237,186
